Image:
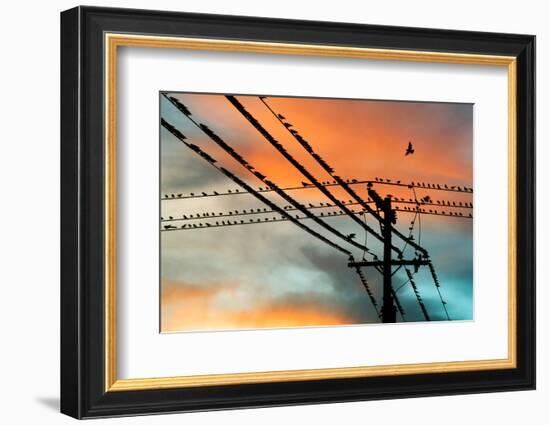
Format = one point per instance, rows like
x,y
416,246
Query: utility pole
x,y
389,310
389,314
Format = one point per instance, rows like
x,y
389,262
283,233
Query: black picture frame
x,y
83,392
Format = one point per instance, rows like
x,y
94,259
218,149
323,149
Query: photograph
x,y
283,212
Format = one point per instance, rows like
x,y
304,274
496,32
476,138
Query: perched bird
x,y
306,184
216,193
170,217
179,195
281,117
204,194
409,150
351,236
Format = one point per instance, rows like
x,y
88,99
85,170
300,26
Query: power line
x,y
342,182
349,182
369,291
246,187
267,136
417,295
438,287
199,216
228,149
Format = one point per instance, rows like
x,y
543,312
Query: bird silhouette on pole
x,y
409,150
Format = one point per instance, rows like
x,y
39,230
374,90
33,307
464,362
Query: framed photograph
x,y
261,212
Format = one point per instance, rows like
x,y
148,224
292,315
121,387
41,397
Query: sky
x,y
276,275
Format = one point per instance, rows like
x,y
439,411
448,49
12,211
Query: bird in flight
x,y
409,150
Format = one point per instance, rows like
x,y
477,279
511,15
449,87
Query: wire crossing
x,y
383,210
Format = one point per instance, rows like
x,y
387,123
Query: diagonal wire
x,y
246,187
296,164
228,149
338,179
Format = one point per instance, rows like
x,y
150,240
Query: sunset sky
x,y
276,274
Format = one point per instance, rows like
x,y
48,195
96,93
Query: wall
x,y
29,172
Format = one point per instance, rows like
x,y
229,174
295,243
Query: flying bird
x,y
409,150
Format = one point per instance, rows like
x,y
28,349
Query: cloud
x,y
190,307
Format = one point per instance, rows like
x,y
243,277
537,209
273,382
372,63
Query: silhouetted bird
x,y
170,217
204,194
192,194
216,193
306,184
409,150
281,117
351,236
179,195
173,195
287,125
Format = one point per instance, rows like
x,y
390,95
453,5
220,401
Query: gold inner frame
x,y
113,41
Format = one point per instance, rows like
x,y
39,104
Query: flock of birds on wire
x,y
227,218
305,185
215,220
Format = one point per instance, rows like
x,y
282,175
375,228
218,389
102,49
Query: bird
x,y
409,150
216,193
351,236
204,194
170,217
281,117
306,184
